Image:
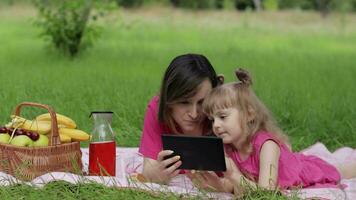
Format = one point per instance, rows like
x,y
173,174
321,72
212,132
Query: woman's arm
x,y
158,170
154,166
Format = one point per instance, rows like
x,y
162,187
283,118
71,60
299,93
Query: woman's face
x,y
188,113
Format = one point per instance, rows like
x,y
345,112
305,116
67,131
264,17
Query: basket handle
x,y
54,140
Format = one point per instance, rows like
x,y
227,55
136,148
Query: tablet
x,y
198,153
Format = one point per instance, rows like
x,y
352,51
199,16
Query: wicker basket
x,y
27,163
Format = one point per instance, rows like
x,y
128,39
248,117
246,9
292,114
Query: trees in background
x,y
323,6
65,23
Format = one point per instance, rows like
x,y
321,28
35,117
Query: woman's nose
x,y
193,112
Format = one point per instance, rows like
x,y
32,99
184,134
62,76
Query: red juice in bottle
x,y
102,158
102,148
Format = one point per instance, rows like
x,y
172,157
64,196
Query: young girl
x,y
258,152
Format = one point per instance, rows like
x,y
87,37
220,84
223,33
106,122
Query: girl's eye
x,y
222,117
184,102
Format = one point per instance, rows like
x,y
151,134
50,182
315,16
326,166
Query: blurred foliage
x,y
66,23
323,6
129,3
319,5
270,4
244,4
197,4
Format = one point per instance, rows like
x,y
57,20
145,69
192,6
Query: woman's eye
x,y
200,102
222,117
184,102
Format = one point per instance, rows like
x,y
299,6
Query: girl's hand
x,y
210,181
232,171
161,170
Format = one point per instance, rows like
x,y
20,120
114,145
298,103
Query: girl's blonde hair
x,y
254,114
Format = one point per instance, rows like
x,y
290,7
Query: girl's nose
x,y
215,124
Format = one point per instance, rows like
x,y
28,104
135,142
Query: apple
x,y
4,138
22,140
41,142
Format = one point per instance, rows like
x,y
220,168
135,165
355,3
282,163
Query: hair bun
x,y
220,78
243,76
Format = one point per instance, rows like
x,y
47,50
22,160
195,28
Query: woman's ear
x,y
220,78
251,114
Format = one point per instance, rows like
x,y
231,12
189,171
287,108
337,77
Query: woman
x,y
176,110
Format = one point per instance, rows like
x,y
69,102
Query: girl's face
x,y
226,125
188,113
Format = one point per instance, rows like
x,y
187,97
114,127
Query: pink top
x,y
295,169
151,142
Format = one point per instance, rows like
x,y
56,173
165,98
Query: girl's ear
x,y
220,78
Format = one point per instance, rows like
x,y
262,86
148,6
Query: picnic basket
x,y
27,163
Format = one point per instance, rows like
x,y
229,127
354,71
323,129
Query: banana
x,y
61,120
74,134
64,138
42,127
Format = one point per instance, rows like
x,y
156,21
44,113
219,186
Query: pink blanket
x,y
129,163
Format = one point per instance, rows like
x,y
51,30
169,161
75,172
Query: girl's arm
x,y
210,181
236,178
268,174
269,159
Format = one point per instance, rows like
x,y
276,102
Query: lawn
x,y
303,66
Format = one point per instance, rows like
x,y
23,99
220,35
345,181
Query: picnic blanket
x,y
129,163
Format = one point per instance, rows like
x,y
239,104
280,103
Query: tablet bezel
x,y
204,153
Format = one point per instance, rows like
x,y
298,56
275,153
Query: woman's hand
x,y
210,181
161,170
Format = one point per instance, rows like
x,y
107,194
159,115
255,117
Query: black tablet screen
x,y
199,153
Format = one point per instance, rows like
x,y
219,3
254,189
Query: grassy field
x,y
304,67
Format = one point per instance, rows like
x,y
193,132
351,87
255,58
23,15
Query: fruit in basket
x,y
74,134
18,131
65,138
3,129
4,138
22,140
61,120
42,127
41,142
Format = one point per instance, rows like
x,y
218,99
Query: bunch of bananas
x,y
67,127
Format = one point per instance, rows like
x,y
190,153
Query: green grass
x,y
65,190
69,191
304,68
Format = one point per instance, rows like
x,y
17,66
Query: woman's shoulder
x,y
153,104
154,101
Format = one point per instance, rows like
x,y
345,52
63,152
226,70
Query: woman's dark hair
x,y
181,80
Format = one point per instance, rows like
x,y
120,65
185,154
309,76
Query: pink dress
x,y
151,142
295,169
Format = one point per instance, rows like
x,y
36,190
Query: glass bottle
x,y
102,146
